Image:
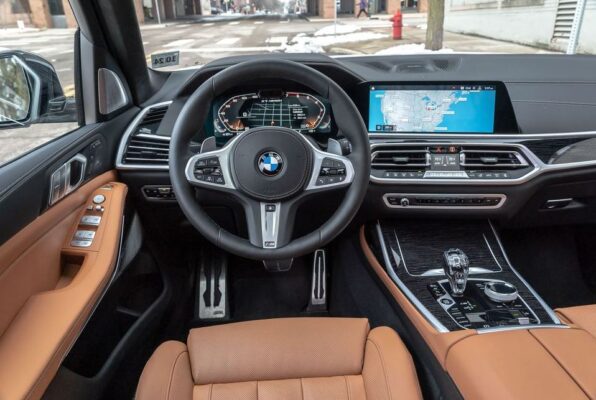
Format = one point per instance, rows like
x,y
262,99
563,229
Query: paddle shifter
x,y
456,268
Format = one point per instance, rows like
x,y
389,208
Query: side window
x,y
37,96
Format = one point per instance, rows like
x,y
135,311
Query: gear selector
x,y
456,269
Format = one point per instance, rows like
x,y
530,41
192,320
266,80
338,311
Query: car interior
x,y
255,229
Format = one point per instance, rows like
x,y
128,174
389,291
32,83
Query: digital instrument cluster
x,y
302,112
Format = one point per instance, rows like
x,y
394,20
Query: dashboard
x,y
500,136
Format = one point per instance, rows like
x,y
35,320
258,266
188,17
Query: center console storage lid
x,y
519,364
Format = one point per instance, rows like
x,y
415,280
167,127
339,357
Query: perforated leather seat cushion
x,y
295,358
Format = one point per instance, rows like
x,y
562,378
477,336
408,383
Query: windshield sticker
x,y
161,60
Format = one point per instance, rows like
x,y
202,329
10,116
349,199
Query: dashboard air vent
x,y
144,147
400,158
491,158
147,149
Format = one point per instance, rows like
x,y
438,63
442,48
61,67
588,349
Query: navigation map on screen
x,y
441,109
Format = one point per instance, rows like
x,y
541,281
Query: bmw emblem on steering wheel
x,y
270,163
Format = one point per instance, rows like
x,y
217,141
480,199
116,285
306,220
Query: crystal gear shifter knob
x,y
456,268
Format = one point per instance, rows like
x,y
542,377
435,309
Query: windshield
x,y
190,33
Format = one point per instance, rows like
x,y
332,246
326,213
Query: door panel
x,y
48,288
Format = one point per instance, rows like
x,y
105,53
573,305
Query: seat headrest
x,y
285,348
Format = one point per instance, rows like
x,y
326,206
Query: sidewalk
x,y
414,33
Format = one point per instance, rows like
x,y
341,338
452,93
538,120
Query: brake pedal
x,y
318,290
212,298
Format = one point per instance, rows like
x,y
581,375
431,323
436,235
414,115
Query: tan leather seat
x,y
581,316
283,359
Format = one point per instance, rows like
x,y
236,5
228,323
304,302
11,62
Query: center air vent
x,y
401,157
491,158
144,147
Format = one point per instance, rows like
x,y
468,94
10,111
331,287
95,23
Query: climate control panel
x,y
438,201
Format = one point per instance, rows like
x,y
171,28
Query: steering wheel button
x,y
219,180
213,162
201,163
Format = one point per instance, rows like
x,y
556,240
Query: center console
x,y
457,275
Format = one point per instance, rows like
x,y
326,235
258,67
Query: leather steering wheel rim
x,y
193,116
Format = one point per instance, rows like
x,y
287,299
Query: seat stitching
x,y
172,374
382,366
257,390
301,390
347,387
210,391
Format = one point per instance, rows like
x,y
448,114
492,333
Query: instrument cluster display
x,y
302,112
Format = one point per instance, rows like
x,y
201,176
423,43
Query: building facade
x,y
541,23
45,14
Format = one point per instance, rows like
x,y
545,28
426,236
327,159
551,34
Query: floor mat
x,y
548,259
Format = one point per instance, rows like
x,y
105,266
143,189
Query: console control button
x,y
501,292
159,192
90,220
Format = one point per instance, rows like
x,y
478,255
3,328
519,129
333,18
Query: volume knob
x,y
404,202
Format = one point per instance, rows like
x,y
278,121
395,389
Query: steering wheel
x,y
269,170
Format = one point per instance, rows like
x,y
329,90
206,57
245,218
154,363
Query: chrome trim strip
x,y
423,310
440,195
548,310
520,327
129,131
270,225
464,136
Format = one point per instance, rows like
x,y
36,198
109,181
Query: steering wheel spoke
x,y
211,170
270,224
330,171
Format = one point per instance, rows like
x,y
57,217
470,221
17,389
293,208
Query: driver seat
x,y
283,359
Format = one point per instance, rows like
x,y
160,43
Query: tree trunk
x,y
434,29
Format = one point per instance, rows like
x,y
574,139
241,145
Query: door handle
x,y
67,178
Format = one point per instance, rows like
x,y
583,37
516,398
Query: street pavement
x,y
200,42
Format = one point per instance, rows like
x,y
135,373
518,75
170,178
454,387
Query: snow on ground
x,y
309,44
410,49
339,29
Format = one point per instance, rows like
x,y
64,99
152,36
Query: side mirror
x,y
30,92
15,93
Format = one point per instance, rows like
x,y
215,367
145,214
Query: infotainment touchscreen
x,y
432,108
